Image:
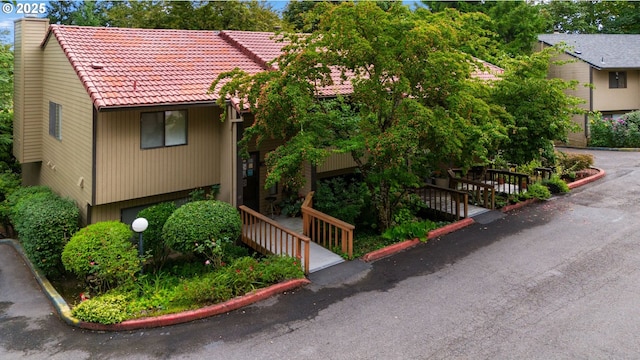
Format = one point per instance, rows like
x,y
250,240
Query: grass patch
x,y
181,286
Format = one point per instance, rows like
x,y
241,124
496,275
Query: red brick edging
x,y
191,315
63,310
395,248
601,173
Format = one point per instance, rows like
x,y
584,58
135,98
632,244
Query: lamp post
x,y
139,225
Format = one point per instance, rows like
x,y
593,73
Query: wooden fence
x,y
481,193
325,230
268,237
444,200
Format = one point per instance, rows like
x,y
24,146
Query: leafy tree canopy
x,y
414,105
7,161
541,108
195,15
516,24
591,17
83,13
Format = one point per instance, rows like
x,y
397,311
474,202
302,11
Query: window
x,y
163,128
55,120
617,80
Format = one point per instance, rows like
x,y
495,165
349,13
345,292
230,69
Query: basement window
x,y
163,128
617,80
55,120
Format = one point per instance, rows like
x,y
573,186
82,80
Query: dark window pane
x,y
151,130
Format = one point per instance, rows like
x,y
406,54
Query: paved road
x,y
556,280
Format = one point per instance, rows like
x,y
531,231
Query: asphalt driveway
x,y
558,279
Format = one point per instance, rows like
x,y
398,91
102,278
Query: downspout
x,y
239,127
587,130
94,146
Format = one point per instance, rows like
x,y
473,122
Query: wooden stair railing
x,y
325,230
268,237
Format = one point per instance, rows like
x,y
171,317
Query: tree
x,y
591,17
195,15
414,106
540,107
83,13
516,24
8,165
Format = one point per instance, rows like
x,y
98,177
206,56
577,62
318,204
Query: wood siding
x,y
616,100
228,156
124,171
28,71
66,163
113,211
336,162
575,70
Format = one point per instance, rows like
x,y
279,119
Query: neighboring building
x,y
118,119
609,64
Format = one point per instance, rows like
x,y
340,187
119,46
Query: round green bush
x,y
45,222
157,216
198,221
104,253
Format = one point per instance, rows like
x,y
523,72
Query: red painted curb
x,y
191,315
450,228
396,248
389,250
518,205
589,179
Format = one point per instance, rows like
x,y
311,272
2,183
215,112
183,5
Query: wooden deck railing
x,y
444,200
268,237
325,230
483,194
544,173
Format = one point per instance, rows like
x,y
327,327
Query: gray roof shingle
x,y
602,51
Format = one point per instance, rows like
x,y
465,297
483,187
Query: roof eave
x,y
167,104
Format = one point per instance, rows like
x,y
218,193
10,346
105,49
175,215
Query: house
x,y
609,64
118,119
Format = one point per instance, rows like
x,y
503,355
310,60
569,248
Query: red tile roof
x,y
489,72
142,67
263,47
122,67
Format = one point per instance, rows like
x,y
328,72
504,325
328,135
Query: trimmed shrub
x,y
9,183
106,309
157,216
103,254
44,223
574,161
200,221
537,191
556,185
21,195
